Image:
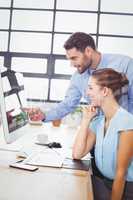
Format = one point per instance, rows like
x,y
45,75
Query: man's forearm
x,y
57,112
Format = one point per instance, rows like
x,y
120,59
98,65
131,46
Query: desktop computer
x,y
12,100
19,135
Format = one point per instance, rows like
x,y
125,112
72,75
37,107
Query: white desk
x,y
46,183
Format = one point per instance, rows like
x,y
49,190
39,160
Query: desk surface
x,y
46,183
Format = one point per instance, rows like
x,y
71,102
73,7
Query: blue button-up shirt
x,y
107,145
79,84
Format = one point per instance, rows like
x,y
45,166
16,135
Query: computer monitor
x,y
12,100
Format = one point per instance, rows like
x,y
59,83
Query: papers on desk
x,y
58,158
42,156
48,157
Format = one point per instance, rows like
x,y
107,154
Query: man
x,y
83,55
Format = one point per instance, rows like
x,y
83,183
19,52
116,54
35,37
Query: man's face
x,y
78,59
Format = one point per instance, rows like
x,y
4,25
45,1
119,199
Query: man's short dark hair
x,y
80,41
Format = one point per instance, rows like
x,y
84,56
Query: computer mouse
x,y
54,145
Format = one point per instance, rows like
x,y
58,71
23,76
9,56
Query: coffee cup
x,y
56,123
42,138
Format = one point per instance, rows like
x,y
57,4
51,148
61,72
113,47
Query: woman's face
x,y
95,92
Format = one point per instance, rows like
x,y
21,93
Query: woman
x,y
112,135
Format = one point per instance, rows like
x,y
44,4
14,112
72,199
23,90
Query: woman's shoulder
x,y
124,114
124,119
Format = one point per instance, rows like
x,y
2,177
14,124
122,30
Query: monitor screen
x,y
12,100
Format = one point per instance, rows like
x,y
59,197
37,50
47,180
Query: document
x,y
47,157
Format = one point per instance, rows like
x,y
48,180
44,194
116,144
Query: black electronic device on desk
x,y
76,164
21,165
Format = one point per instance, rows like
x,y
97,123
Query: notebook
x,y
46,157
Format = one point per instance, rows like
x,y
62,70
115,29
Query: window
x,y
33,65
63,67
58,89
77,4
110,24
4,3
59,40
36,88
116,45
47,4
4,16
117,6
3,40
63,19
33,32
30,42
32,20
